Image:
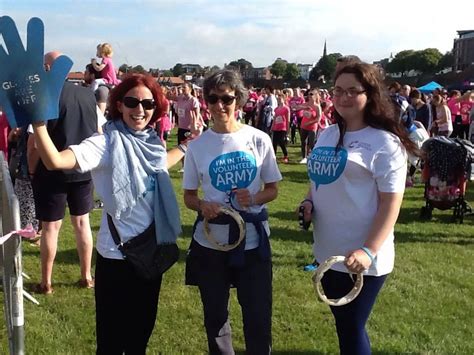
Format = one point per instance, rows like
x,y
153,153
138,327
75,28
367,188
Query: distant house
x,y
463,50
170,80
257,73
191,68
305,70
75,77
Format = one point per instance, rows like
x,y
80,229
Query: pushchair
x,y
446,169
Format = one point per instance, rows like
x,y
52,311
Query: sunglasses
x,y
226,99
132,102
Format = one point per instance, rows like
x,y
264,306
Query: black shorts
x,y
51,196
182,134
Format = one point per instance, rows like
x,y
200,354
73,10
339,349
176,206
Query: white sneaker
x,y
303,161
181,170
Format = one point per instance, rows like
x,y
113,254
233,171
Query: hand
x,y
308,210
28,93
209,210
357,261
243,198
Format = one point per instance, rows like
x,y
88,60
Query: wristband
x,y
182,148
369,253
252,200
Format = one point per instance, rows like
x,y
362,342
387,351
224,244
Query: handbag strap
x,y
113,232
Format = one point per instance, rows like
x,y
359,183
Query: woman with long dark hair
x,y
357,172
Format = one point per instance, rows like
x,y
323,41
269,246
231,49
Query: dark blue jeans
x,y
351,318
253,282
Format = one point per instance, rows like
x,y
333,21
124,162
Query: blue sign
x,y
325,164
234,170
28,93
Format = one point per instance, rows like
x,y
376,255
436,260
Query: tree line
x,y
426,61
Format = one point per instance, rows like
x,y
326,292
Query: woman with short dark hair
x,y
231,162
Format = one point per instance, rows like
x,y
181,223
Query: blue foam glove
x,y
28,93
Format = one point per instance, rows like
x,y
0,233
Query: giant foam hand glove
x,y
28,93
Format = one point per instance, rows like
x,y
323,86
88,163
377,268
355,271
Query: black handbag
x,y
149,259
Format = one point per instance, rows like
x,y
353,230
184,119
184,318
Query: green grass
x,y
425,307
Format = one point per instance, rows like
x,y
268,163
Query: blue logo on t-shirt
x,y
234,170
325,165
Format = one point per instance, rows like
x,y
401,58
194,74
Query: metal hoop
x,y
318,275
240,222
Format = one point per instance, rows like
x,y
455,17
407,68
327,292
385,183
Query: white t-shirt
x,y
222,162
344,189
92,154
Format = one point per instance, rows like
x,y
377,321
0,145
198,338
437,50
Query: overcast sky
x,y
161,33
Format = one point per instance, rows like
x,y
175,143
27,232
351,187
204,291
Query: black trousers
x,y
279,139
254,292
126,308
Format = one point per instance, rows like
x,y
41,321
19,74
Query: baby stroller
x,y
446,169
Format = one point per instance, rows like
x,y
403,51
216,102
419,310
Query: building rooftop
x,y
465,32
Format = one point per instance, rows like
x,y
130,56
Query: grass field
x,y
425,307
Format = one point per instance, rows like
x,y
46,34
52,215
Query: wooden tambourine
x,y
240,222
318,275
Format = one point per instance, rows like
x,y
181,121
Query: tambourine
x,y
240,222
318,275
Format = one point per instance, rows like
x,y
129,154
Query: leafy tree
x,y
241,64
403,62
446,61
278,68
427,60
291,72
325,66
124,68
167,73
178,69
138,69
215,67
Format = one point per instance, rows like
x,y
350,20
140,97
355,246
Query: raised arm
x,y
49,154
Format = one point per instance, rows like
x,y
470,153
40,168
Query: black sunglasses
x,y
226,99
132,102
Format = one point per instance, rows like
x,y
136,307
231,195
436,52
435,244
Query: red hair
x,y
128,83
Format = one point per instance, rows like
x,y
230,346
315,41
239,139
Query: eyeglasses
x,y
352,92
225,99
132,102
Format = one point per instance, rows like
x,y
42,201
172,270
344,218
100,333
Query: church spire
x,y
325,53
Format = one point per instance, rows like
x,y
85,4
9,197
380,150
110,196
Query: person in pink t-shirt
x,y
309,123
187,109
296,115
281,123
466,104
455,108
106,68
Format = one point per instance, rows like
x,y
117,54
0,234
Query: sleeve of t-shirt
x,y
90,153
191,173
270,172
101,120
390,167
196,104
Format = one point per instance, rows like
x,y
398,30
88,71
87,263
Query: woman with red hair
x,y
129,167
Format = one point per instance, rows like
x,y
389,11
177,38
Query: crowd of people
x,y
355,141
